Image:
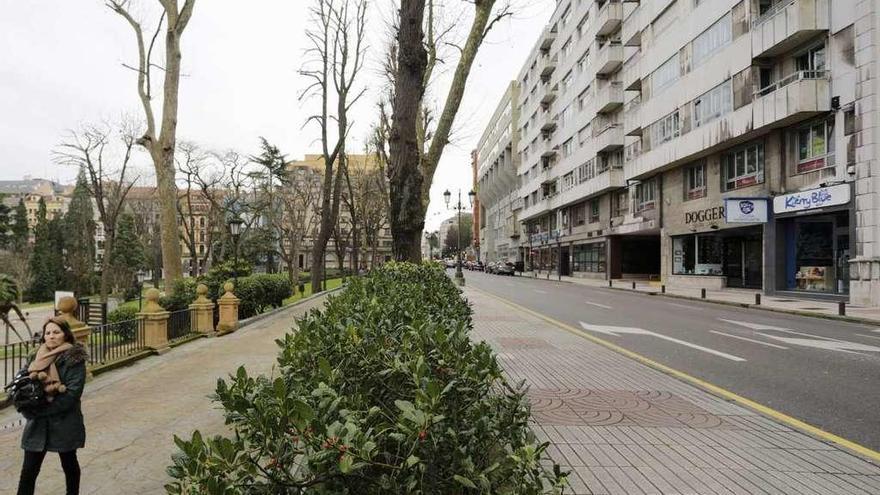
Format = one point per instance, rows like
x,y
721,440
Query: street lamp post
x,y
430,237
459,275
235,231
141,276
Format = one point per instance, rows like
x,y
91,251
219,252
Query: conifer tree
x,y
128,253
47,261
20,229
79,232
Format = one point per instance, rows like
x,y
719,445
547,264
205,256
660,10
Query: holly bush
x,y
381,392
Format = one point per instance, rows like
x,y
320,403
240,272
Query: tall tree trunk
x,y
109,236
404,171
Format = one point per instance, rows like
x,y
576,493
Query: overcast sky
x,y
61,66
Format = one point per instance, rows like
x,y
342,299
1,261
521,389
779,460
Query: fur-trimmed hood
x,y
75,355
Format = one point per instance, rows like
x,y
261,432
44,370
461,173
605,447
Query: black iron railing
x,y
115,341
14,356
180,324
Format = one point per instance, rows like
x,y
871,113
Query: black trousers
x,y
31,468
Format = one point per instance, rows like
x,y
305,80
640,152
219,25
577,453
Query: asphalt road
x,y
823,372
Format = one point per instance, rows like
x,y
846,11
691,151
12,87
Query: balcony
x,y
631,32
788,24
632,123
632,73
549,124
547,39
551,151
609,17
609,57
550,94
609,97
548,65
608,138
605,180
796,97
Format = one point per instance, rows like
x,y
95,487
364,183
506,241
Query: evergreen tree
x,y
128,253
47,261
5,223
79,230
20,229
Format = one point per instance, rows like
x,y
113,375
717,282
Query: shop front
x,y
813,233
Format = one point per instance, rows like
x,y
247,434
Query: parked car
x,y
490,268
505,268
450,263
478,266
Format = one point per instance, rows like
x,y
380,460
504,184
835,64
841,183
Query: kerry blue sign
x,y
814,198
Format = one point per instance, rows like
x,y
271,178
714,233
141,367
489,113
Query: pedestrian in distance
x,y
55,425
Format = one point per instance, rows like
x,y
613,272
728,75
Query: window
x,y
579,215
713,39
665,75
744,167
565,18
582,26
812,59
566,115
566,82
816,146
645,195
589,258
665,129
697,255
713,104
621,203
695,182
594,210
568,181
582,62
583,97
583,135
567,148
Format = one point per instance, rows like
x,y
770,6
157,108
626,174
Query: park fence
x,y
114,341
180,325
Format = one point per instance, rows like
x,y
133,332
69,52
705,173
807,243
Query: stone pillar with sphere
x,y
155,323
228,304
202,310
67,307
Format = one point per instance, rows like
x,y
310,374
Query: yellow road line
x,y
715,389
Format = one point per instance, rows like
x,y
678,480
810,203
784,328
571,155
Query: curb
x,y
761,307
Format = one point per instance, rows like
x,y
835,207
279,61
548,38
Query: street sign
x,y
745,210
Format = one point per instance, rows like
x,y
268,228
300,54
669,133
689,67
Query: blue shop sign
x,y
814,198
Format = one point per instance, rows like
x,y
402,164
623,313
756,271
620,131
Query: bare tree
x,y
161,145
412,161
105,155
200,206
336,58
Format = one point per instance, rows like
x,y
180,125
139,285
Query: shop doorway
x,y
743,261
640,256
817,252
565,262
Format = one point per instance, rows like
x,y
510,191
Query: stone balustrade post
x,y
67,307
228,304
202,310
155,323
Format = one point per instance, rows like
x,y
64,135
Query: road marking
x,y
707,386
869,336
603,306
815,341
681,306
540,291
609,330
748,339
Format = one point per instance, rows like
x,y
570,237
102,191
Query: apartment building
x,y
498,203
705,143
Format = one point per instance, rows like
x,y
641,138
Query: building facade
x,y
705,143
498,204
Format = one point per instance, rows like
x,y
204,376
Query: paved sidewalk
x,y
742,297
132,414
622,427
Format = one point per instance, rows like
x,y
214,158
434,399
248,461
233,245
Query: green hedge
x,y
261,292
381,392
124,318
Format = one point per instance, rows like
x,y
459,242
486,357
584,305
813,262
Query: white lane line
x,y
609,330
603,306
540,291
748,339
761,326
869,336
680,306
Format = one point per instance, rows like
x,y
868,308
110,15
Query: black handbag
x,y
26,393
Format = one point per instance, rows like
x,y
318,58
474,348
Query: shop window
x,y
594,211
695,182
645,195
743,167
589,258
697,255
713,104
815,146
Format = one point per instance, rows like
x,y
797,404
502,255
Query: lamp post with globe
x,y
447,196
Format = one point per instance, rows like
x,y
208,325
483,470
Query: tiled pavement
x,y
132,413
622,427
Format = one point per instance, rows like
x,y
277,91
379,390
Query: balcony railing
x,y
797,76
771,12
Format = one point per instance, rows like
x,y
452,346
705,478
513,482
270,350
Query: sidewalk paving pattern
x,y
132,414
622,427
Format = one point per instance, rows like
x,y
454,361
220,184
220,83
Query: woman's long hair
x,y
65,328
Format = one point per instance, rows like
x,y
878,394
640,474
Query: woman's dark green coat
x,y
58,426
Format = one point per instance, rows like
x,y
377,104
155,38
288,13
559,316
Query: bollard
x,y
663,289
634,286
702,293
841,308
757,299
610,283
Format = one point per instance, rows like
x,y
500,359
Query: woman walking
x,y
57,425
